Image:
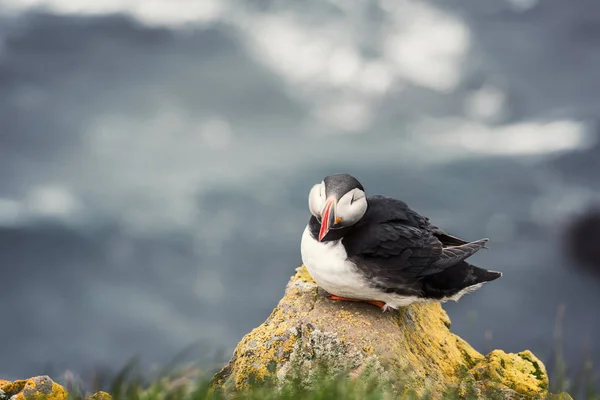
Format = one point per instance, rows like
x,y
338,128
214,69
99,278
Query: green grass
x,y
125,388
131,384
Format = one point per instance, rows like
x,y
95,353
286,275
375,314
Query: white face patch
x,y
351,207
316,199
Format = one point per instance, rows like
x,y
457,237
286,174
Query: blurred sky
x,y
156,157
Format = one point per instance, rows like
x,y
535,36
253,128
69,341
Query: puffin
x,y
378,250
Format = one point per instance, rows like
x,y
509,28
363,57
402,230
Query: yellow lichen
x,y
100,396
368,349
36,388
303,275
522,372
12,387
264,350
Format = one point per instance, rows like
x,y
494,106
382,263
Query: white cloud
x,y
51,202
54,202
522,5
181,11
427,45
344,65
487,104
321,64
216,133
152,12
318,52
348,115
320,58
420,43
519,139
313,54
377,76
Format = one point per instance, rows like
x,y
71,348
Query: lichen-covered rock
x,y
36,388
408,349
559,396
100,396
522,372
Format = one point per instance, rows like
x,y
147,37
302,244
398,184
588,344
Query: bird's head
x,y
337,202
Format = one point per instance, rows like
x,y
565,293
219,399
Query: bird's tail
x,y
453,282
453,255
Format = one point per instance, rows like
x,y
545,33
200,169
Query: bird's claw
x,y
386,308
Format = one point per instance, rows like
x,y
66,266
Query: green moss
x,y
539,370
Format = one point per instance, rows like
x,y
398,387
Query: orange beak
x,y
327,218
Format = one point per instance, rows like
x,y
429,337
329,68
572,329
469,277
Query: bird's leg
x,y
377,303
380,304
334,297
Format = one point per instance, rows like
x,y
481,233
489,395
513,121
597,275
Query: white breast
x,y
328,265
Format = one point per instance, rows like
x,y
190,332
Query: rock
x,y
560,396
411,349
100,396
39,387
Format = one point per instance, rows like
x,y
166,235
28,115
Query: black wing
x,y
398,246
388,209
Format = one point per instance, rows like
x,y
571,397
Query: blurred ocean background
x,y
156,158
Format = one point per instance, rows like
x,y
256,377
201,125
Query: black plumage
x,y
399,251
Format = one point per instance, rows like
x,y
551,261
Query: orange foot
x,y
377,303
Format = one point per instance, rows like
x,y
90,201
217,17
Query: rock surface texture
x,y
410,349
39,388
